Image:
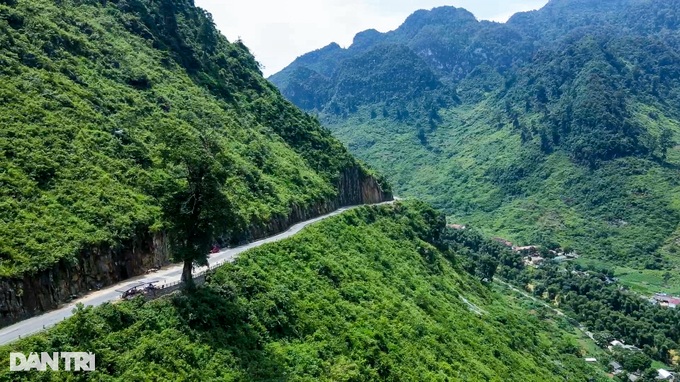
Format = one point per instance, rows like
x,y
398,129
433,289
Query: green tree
x,y
665,141
487,267
649,375
633,361
667,276
195,208
603,338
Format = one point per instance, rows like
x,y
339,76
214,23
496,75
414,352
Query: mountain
x,y
556,128
372,294
107,108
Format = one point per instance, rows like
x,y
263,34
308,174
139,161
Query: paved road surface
x,y
166,275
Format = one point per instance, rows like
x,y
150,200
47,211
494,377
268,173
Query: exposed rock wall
x,y
21,298
100,267
354,188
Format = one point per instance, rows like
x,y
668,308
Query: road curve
x,y
166,275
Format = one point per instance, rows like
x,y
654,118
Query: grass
x,y
643,281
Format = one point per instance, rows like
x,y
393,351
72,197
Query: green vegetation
x,y
372,294
643,281
590,296
102,105
557,128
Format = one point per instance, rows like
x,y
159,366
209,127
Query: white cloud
x,y
279,31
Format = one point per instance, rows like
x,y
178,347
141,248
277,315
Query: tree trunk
x,y
187,277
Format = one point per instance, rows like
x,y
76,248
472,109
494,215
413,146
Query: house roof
x,y
456,226
527,248
664,374
667,298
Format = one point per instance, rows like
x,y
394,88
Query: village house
x,y
457,227
528,249
505,242
533,261
572,255
616,343
616,367
667,301
665,375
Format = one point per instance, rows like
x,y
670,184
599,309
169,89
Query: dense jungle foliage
x,y
591,296
558,127
372,294
109,108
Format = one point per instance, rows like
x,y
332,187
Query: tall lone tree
x,y
195,208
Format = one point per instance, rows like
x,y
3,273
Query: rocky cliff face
x,y
100,267
354,188
96,268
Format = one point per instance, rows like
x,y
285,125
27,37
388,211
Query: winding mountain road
x,y
167,275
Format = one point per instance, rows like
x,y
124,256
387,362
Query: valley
x,y
250,224
567,139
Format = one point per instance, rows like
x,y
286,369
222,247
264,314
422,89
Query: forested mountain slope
x,y
557,128
372,294
108,106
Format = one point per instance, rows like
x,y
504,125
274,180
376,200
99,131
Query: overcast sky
x,y
279,31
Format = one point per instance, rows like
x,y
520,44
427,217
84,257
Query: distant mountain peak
x,y
366,38
446,15
331,47
313,56
440,15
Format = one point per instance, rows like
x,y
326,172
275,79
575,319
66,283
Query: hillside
x,y
372,294
107,108
556,128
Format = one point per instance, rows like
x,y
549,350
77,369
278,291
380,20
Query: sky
x,y
277,32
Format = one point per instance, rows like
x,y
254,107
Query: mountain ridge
x,y
543,114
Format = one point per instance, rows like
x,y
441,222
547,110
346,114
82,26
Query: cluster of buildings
x,y
665,300
616,343
534,258
662,375
617,368
532,255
